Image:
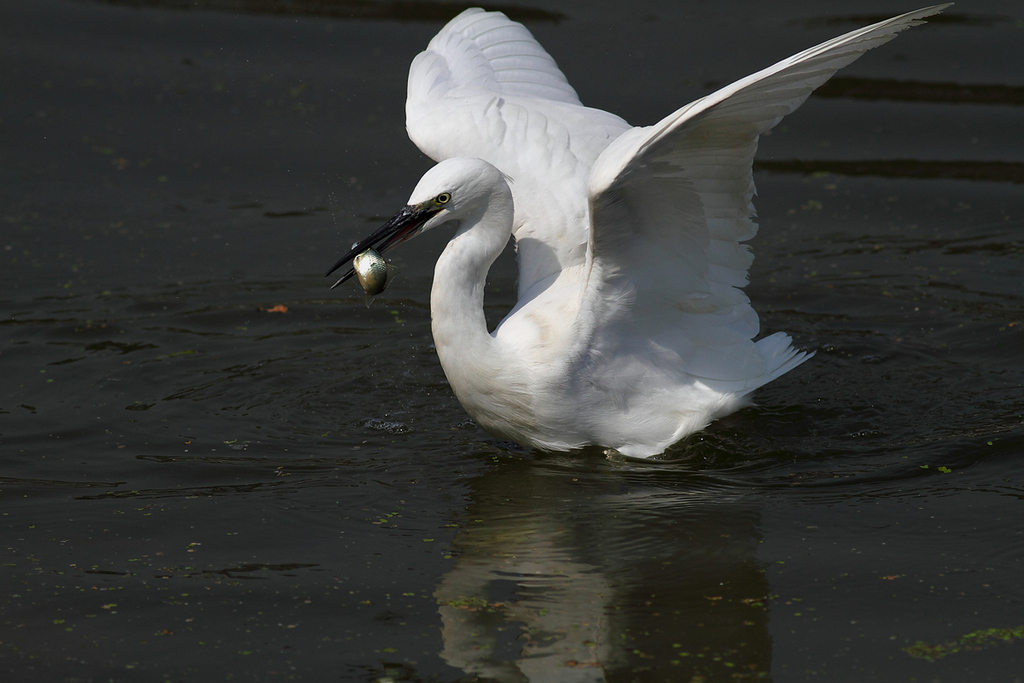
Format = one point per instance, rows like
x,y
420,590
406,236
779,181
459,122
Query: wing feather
x,y
671,207
485,88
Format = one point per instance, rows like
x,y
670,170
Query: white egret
x,y
631,329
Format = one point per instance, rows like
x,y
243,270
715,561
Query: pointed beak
x,y
403,226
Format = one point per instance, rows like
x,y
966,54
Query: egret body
x,y
631,329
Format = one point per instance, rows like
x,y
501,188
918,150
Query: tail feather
x,y
779,356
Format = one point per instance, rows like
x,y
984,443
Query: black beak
x,y
403,226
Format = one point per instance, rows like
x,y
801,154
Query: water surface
x,y
214,467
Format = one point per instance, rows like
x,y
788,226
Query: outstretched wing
x,y
485,88
671,210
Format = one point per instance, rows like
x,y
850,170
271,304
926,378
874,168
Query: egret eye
x,y
443,198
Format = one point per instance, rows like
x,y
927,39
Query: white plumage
x,y
631,330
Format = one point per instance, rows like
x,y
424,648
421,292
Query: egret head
x,y
445,193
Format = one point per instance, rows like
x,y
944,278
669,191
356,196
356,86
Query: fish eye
x,y
443,198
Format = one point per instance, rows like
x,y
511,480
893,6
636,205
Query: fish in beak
x,y
403,226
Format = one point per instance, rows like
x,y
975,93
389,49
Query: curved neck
x,y
464,346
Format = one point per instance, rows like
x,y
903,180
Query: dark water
x,y
199,485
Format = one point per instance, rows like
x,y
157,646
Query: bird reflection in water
x,y
568,575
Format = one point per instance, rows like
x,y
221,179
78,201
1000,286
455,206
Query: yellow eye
x,y
443,198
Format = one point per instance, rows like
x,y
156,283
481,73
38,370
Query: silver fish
x,y
373,272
